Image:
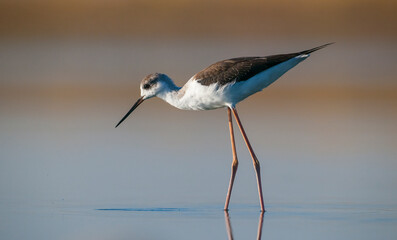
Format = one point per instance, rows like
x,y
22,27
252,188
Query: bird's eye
x,y
146,86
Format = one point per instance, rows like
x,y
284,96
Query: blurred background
x,y
69,70
325,132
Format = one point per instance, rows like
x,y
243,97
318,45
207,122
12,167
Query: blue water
x,y
281,221
328,160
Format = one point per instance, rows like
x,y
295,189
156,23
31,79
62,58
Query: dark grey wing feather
x,y
238,69
243,68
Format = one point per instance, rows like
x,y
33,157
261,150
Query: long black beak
x,y
140,100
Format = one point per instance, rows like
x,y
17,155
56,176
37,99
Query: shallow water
x,y
281,221
328,154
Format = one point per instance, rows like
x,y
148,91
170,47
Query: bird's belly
x,y
204,103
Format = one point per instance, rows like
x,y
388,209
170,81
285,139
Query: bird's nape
x,y
137,103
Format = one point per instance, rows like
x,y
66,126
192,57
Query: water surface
x,y
324,133
281,221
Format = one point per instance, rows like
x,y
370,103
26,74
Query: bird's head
x,y
152,85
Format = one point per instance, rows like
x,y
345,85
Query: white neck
x,y
171,95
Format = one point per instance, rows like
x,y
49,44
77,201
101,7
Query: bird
x,y
223,85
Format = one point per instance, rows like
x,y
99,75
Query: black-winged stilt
x,y
223,85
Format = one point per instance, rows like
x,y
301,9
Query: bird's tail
x,y
315,49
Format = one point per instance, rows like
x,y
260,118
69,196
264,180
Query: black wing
x,y
243,68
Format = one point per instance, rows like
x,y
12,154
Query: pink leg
x,y
254,159
235,161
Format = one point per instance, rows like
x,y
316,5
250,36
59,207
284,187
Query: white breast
x,y
199,97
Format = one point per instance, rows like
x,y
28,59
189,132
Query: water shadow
x,y
145,209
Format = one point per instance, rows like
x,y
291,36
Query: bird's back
x,y
238,69
243,68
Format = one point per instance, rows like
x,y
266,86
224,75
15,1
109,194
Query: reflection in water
x,y
229,226
260,225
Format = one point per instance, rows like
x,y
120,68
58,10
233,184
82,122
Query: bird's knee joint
x,y
235,163
257,164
